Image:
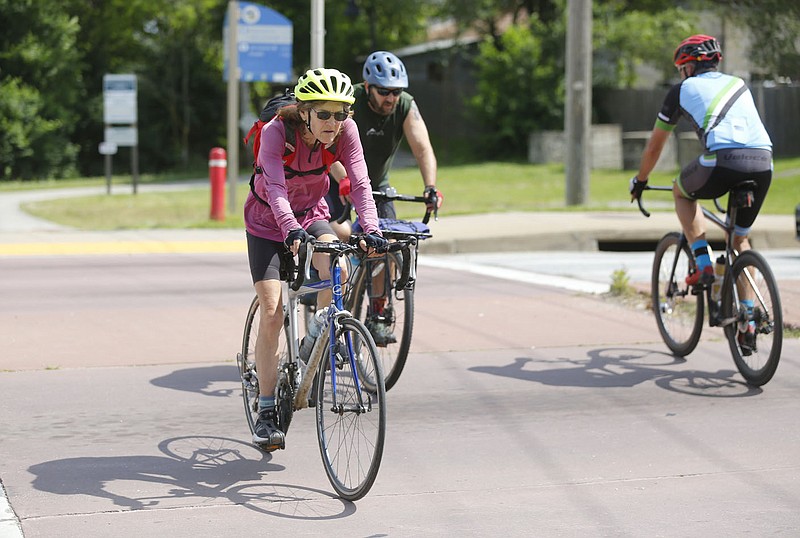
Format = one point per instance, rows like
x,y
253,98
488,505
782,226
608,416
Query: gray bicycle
x,y
342,380
680,308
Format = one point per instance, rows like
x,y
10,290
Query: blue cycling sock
x,y
266,402
748,305
702,254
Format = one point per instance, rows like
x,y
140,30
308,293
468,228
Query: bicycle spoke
x,y
756,336
351,420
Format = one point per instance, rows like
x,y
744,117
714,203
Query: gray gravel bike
x,y
342,380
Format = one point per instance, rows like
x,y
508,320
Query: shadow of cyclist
x,y
192,467
621,367
219,381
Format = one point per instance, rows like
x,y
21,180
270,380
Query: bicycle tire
x,y
246,363
677,307
760,365
393,356
351,437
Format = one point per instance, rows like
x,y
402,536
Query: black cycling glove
x,y
635,187
376,241
294,235
434,198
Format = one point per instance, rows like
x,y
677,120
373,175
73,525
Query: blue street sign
x,y
264,42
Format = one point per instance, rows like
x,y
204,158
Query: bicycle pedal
x,y
266,447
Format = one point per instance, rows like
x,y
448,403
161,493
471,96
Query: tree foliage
x,y
53,56
520,87
775,26
40,88
625,38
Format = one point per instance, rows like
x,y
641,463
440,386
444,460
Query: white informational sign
x,y
122,136
119,99
107,148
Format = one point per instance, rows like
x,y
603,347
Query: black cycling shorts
x,y
712,176
265,254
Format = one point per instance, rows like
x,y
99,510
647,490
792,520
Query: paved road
x,y
525,410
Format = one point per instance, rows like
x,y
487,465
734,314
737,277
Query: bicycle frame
x,y
335,311
731,253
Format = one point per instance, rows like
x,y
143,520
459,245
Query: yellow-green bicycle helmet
x,y
324,85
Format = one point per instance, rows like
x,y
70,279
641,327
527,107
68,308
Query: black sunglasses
x,y
385,91
326,115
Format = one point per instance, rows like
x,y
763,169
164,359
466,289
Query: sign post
x,y
107,149
120,119
258,47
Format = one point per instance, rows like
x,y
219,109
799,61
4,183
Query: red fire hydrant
x,y
217,168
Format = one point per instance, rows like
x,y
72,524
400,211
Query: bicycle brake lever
x,y
307,267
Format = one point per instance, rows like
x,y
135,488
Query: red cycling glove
x,y
344,186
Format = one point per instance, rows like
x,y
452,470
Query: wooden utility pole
x,y
577,121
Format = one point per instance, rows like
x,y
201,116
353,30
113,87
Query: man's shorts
x,y
712,176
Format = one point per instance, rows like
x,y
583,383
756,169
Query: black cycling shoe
x,y
747,340
381,333
266,433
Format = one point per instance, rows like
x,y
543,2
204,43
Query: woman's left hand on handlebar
x,y
373,244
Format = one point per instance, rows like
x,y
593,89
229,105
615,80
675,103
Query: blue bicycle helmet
x,y
386,70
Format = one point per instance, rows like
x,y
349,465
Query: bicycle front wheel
x,y
397,316
351,417
678,307
756,336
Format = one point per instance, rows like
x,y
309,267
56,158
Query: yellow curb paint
x,y
122,247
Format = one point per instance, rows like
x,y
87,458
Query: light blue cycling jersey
x,y
721,110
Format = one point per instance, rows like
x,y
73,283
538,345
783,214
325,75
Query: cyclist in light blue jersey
x,y
721,110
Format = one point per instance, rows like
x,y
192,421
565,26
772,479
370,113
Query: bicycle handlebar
x,y
339,248
390,196
649,188
665,188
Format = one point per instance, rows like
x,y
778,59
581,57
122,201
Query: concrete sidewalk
x,y
22,234
495,232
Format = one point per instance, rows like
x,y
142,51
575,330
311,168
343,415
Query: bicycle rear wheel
x,y
678,307
398,313
351,419
246,362
752,279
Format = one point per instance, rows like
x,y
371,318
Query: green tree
x,y
520,86
353,29
619,52
39,89
175,49
775,25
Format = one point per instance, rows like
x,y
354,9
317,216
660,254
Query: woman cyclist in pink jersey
x,y
287,206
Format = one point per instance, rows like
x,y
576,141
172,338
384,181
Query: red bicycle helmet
x,y
698,48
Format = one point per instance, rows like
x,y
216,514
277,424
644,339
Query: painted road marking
x,y
541,279
121,247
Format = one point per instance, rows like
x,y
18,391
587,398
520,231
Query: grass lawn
x,y
468,189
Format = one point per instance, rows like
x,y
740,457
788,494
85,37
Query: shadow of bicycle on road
x,y
203,469
219,381
623,367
